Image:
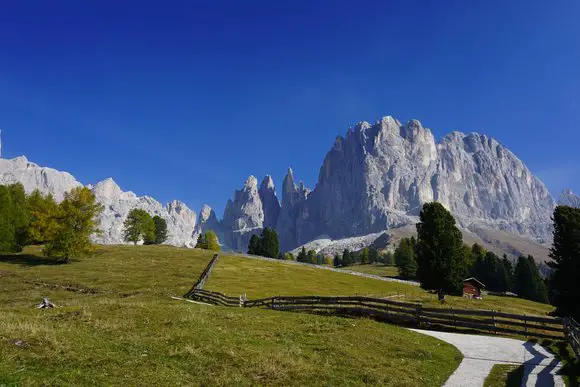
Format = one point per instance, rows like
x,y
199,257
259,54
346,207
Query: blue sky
x,y
186,99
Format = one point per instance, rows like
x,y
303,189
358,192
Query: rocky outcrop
x,y
569,198
292,211
207,220
243,216
32,177
116,203
250,211
270,203
378,177
331,247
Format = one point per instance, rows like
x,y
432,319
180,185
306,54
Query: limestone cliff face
x,y
207,220
116,203
569,198
293,200
378,177
32,177
243,216
250,211
270,203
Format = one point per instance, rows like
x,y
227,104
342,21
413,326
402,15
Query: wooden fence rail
x,y
572,330
203,277
410,313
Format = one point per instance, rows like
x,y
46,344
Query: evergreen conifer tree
x,y
441,264
565,262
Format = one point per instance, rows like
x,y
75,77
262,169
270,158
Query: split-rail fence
x,y
489,321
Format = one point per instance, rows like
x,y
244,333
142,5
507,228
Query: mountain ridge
x,y
374,178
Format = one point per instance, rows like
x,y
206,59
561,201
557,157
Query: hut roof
x,y
473,279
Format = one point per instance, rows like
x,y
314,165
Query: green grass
x,y
234,276
376,269
116,324
505,375
497,303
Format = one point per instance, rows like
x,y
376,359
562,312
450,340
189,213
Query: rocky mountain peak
x,y
378,176
107,189
270,203
251,183
569,198
243,216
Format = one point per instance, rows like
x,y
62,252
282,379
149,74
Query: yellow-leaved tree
x,y
75,223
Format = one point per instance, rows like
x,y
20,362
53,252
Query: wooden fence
x,y
402,312
572,331
203,277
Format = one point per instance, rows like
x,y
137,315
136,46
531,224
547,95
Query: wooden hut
x,y
472,288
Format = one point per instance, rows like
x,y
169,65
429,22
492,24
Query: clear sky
x,y
185,99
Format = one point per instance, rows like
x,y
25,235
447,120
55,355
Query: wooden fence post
x,y
494,326
453,316
526,326
418,313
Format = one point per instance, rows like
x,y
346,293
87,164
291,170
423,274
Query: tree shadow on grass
x,y
29,260
570,366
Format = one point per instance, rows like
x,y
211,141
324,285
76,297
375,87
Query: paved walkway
x,y
481,353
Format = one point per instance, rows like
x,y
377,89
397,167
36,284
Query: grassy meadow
x,y
379,269
234,276
116,324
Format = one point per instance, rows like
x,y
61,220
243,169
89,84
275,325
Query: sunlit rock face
x,y
32,177
206,221
378,176
569,198
116,203
251,210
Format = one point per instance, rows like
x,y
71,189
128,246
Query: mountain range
x,y
374,179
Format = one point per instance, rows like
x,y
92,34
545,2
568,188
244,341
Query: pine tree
x,y
490,270
302,255
20,215
527,281
441,264
254,245
389,258
509,269
7,231
311,256
346,258
269,245
201,242
160,229
139,226
565,262
76,222
364,256
405,258
337,261
373,255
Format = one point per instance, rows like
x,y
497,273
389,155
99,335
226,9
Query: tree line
x,y
439,260
64,229
140,226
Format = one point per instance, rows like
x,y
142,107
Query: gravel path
x,y
481,353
